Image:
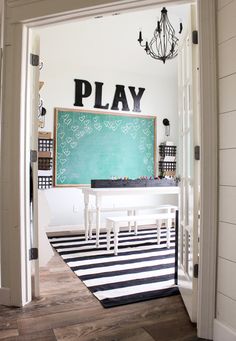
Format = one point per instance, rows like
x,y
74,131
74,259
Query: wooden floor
x,y
68,311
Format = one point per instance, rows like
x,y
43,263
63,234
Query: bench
x,y
130,211
113,224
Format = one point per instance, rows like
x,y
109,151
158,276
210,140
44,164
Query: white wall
x,y
104,50
226,284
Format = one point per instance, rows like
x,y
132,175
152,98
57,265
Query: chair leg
x,y
135,225
158,224
168,236
116,232
130,223
108,236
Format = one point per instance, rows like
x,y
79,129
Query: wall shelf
x,y
45,160
167,163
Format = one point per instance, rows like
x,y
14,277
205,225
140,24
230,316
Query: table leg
x,y
169,225
86,203
98,218
176,244
90,221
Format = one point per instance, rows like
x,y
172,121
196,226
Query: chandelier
x,y
164,44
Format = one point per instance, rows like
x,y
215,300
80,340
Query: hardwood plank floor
x,y
68,311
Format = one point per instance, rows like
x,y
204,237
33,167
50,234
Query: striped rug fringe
x,y
142,270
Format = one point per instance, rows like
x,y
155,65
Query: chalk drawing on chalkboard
x,y
96,145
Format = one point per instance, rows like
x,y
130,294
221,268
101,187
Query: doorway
x,y
210,106
90,60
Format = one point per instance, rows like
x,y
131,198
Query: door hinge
x,y
197,153
195,37
195,271
34,59
33,156
33,253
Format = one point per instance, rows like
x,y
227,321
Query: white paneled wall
x,y
226,282
222,3
225,53
227,173
226,21
226,313
227,99
227,123
227,241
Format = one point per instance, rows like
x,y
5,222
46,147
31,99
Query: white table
x,y
99,193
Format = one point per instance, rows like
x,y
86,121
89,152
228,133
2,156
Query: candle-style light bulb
x,y
146,47
140,38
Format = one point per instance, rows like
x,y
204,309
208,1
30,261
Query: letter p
x,y
82,89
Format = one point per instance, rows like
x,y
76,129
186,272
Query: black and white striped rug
x,y
142,270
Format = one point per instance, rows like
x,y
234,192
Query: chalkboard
x,y
96,145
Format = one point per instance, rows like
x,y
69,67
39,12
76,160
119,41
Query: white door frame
x,y
22,14
209,167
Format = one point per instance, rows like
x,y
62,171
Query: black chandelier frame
x,y
164,44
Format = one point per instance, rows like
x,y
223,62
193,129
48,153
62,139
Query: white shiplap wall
x,y
226,283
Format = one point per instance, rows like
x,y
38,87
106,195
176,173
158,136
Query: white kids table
x,y
99,193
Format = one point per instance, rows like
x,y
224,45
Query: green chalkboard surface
x,y
96,145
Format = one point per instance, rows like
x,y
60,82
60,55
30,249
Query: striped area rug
x,y
142,270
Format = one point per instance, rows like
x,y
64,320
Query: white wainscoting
x,y
226,52
223,332
227,167
226,283
226,311
227,124
226,28
225,323
227,241
227,204
227,98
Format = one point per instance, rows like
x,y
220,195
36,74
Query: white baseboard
x,y
60,228
223,332
5,296
64,228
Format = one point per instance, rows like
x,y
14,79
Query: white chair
x,y
114,224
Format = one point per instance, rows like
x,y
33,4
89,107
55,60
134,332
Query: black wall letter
x,y
137,97
120,97
82,89
98,97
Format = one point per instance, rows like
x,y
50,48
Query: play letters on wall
x,y
83,89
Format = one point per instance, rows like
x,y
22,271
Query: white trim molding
x,y
223,332
209,168
36,12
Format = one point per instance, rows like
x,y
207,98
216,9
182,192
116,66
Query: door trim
x,y
209,167
26,12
